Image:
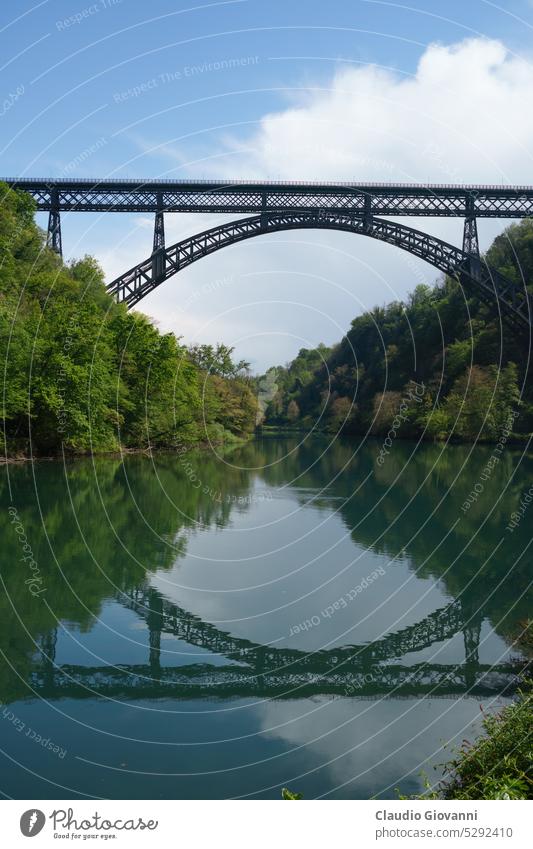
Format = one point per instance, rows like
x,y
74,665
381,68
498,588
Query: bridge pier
x,y
471,634
155,623
264,215
48,643
47,646
470,237
471,240
53,237
158,250
159,224
367,215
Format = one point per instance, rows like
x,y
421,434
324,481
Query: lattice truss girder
x,y
378,200
137,681
437,626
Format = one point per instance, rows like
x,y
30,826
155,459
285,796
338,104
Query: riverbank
x,y
231,441
516,439
433,366
499,764
83,375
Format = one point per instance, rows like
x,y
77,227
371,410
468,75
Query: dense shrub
x,y
472,366
81,373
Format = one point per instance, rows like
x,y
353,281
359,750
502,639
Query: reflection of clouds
x,y
305,572
365,745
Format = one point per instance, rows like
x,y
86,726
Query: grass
x,y
499,764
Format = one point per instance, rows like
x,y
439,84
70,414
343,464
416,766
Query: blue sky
x,y
352,89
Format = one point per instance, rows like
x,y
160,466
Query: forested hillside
x,y
81,373
439,364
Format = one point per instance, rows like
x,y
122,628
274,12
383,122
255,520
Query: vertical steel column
x,y
470,237
53,236
264,220
367,215
471,634
158,251
155,626
159,225
47,646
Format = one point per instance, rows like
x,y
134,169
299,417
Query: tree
x,y
444,337
481,401
293,411
81,373
218,360
339,413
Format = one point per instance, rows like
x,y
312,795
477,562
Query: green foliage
x,y
524,637
288,384
482,400
217,360
81,373
512,253
444,338
288,794
499,764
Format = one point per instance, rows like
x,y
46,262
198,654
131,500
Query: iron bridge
x,y
256,670
362,208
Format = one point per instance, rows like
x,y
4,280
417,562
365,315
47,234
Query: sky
x,y
427,91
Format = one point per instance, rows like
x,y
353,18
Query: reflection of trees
x,y
106,525
103,527
390,510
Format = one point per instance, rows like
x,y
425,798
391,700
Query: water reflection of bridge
x,y
201,680
163,616
255,670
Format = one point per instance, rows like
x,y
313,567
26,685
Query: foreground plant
x,y
288,794
499,764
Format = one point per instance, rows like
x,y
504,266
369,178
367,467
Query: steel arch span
x,y
471,270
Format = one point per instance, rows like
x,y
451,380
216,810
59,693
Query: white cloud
x,y
463,116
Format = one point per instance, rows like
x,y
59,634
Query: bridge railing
x,y
98,181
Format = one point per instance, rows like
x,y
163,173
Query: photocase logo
x,y
32,822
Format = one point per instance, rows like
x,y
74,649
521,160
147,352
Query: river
x,y
288,612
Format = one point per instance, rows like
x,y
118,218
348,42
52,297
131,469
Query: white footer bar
x,y
266,824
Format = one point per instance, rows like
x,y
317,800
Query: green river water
x,y
287,613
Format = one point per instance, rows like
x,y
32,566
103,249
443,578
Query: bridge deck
x,y
201,680
246,196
